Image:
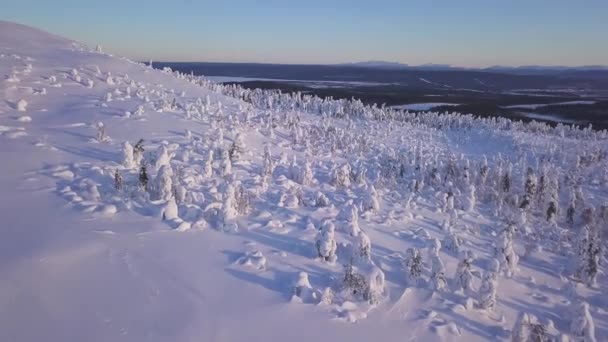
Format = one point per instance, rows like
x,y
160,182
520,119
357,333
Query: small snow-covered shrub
x,y
365,281
21,105
321,200
303,291
325,242
340,176
582,325
413,266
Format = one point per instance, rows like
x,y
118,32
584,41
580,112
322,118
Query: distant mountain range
x,y
524,69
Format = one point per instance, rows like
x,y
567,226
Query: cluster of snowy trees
x,y
538,196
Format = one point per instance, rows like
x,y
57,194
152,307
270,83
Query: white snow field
x,y
258,216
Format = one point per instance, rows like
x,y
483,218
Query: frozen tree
x,y
579,197
128,161
226,164
143,178
470,199
101,131
164,183
506,179
326,243
21,105
528,329
295,171
571,209
413,266
117,180
531,183
307,176
170,210
327,296
362,251
451,243
208,166
582,325
364,280
463,278
229,211
350,214
370,201
138,152
552,212
321,200
438,280
504,251
303,290
483,171
341,176
489,284
237,148
588,256
162,157
267,164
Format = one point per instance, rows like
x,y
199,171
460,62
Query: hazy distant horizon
x,y
471,34
404,65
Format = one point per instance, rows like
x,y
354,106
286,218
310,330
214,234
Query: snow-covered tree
x,y
588,255
451,243
470,199
268,164
143,178
128,161
413,266
370,201
163,158
325,242
164,183
483,171
488,288
226,164
570,212
582,326
303,290
362,250
504,251
340,176
463,279
117,180
307,176
438,280
528,329
237,148
364,280
101,131
229,211
350,214
531,183
321,200
208,166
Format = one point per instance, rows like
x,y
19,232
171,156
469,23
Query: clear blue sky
x,y
458,32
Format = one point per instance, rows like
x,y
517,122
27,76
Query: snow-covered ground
x,y
258,216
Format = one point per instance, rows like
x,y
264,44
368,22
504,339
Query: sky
x,y
470,33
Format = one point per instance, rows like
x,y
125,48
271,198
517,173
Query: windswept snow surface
x,y
220,244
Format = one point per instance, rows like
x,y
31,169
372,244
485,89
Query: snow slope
x,y
84,261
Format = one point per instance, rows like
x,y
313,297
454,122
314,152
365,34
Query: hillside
x,y
149,205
